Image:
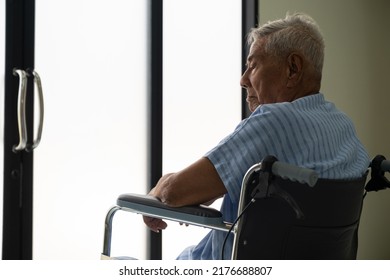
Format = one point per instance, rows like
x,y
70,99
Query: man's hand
x,y
155,224
197,184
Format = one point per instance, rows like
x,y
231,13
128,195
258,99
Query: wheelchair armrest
x,y
147,205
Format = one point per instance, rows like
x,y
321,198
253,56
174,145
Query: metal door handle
x,y
38,86
21,110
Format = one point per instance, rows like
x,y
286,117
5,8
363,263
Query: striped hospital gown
x,y
308,132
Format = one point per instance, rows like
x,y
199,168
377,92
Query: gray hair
x,y
297,32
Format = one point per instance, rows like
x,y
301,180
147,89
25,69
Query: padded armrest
x,y
147,205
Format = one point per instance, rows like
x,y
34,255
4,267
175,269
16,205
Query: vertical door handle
x,y
38,87
21,110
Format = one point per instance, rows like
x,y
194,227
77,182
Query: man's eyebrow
x,y
251,57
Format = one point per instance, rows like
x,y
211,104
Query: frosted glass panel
x,y
202,95
91,56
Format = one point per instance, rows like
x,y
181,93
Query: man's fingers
x,y
155,224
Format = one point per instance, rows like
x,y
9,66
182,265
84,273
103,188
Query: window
x,y
91,56
202,101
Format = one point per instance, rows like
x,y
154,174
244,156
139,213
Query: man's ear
x,y
294,72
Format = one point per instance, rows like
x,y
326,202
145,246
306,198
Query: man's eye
x,y
250,66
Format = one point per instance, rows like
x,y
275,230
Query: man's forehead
x,y
256,49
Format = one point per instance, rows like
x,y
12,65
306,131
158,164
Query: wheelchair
x,y
285,212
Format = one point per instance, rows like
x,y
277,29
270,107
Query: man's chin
x,y
252,106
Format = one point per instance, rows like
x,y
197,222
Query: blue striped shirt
x,y
308,132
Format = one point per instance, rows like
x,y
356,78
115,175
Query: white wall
x,y
354,78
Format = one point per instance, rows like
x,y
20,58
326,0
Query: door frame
x,y
18,166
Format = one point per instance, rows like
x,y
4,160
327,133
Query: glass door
x,y
91,56
202,94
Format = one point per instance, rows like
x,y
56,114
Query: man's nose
x,y
244,82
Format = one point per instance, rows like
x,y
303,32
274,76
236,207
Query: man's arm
x,y
199,183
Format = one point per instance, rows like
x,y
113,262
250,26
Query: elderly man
x,y
290,119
